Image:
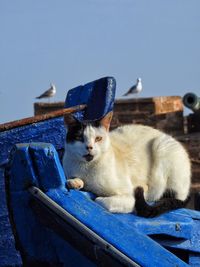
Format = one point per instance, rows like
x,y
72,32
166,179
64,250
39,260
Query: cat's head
x,y
87,141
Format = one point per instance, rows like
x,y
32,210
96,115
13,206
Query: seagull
x,y
135,89
48,93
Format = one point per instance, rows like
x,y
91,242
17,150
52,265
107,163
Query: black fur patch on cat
x,y
163,205
75,131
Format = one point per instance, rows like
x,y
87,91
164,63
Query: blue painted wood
x,y
194,260
8,254
36,241
50,160
188,213
169,224
177,224
50,131
3,209
98,95
192,244
121,231
128,240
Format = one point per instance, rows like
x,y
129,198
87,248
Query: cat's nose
x,y
89,147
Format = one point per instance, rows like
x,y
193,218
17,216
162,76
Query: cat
x,y
126,167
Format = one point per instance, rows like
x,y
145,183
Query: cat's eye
x,y
98,139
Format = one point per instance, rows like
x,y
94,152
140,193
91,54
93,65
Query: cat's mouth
x,y
88,157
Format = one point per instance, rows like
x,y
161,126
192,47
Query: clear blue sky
x,y
71,42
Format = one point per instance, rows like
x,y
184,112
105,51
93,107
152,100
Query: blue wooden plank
x,y
131,242
98,95
8,253
3,207
38,242
170,224
192,245
45,154
187,213
194,260
22,163
49,131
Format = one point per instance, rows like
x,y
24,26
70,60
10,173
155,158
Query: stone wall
x,y
164,113
44,108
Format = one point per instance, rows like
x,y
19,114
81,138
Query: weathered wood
x,y
43,107
38,118
50,131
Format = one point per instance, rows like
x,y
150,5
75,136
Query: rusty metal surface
x,y
30,120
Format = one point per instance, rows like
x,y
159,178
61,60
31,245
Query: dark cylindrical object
x,y
192,101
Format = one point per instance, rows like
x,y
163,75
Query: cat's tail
x,y
163,205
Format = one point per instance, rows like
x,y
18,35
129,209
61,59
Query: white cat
x,y
126,166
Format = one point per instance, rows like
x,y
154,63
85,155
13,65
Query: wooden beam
x,y
38,118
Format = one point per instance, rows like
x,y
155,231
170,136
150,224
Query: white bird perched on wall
x,y
48,93
135,89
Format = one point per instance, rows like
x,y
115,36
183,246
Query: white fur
x,y
129,156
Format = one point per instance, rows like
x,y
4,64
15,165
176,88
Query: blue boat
x,y
42,223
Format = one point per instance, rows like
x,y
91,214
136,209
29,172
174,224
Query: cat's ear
x,y
106,120
69,120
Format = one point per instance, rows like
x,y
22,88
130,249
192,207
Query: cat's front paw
x,y
75,183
